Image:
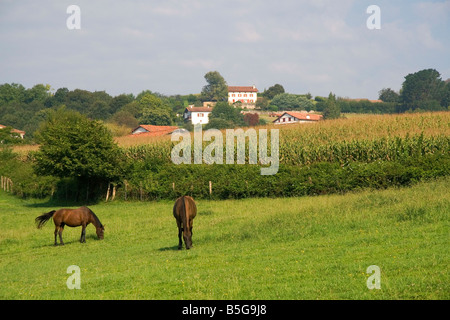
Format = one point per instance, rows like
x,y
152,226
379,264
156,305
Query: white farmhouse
x,y
297,117
243,94
197,114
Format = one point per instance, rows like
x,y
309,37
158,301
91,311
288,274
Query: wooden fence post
x,y
113,192
107,192
210,188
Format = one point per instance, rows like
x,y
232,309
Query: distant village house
x,y
151,130
197,114
246,95
297,117
19,132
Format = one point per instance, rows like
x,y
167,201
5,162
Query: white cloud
x,y
247,33
433,11
424,36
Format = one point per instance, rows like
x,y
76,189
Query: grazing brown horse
x,y
72,218
184,211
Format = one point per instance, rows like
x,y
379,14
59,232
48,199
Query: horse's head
x,y
187,236
100,231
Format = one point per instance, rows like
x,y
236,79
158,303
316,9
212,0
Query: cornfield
x,y
364,139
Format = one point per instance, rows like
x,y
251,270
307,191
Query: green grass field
x,y
291,248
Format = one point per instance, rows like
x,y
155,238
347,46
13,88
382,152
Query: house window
x,y
245,94
284,119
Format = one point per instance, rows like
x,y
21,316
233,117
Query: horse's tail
x,y
43,218
183,214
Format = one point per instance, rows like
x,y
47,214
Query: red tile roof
x,y
302,116
154,130
13,130
242,89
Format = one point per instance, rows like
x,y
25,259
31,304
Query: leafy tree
x,y
218,123
79,100
151,101
74,146
216,89
229,116
155,111
156,117
133,108
12,92
273,91
262,103
420,88
124,118
288,101
60,96
446,96
388,95
38,92
119,101
332,110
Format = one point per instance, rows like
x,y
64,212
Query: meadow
x,y
260,248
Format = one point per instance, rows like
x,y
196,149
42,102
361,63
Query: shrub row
x,y
168,181
242,181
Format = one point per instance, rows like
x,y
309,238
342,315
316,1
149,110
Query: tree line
x,y
421,91
26,109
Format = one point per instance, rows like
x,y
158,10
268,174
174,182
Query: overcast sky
x,y
168,46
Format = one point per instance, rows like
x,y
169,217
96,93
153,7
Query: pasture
x,y
282,248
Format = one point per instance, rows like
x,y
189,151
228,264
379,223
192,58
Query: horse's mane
x,y
96,218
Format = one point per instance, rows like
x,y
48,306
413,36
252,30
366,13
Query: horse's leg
x,y
180,230
83,233
180,242
56,234
190,228
61,229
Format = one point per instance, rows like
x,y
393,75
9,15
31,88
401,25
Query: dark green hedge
x,y
168,181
